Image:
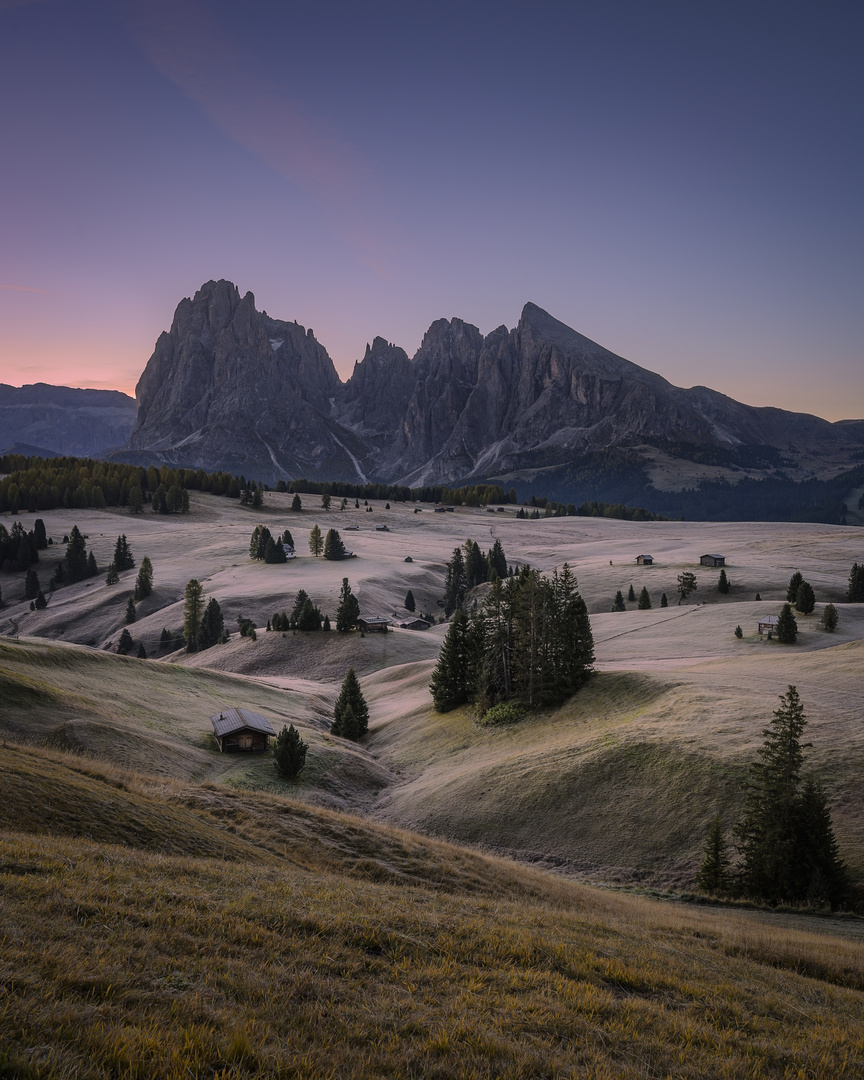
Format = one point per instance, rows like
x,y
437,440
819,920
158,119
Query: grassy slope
x,y
317,944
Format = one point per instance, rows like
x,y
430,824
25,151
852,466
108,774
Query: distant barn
x,y
413,624
645,560
241,729
713,560
373,626
768,624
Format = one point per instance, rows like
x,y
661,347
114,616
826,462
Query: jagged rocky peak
x,y
375,397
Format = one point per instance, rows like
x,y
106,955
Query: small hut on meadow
x,y
645,560
373,626
713,560
768,624
241,729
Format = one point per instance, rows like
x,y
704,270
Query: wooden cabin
x,y
768,624
645,560
713,560
373,626
413,624
241,730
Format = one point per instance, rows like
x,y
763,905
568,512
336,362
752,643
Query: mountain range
x,y
228,387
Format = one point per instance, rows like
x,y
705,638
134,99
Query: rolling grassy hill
x,y
153,927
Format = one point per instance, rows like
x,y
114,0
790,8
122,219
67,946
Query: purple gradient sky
x,y
680,182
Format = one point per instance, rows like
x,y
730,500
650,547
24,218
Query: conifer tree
x,y
792,589
40,603
723,582
144,581
855,592
664,601
123,559
212,625
136,499
739,633
76,556
410,603
92,568
296,504
830,618
289,752
787,845
713,876
348,611
124,645
40,538
787,627
686,585
452,681
334,549
142,652
299,601
112,577
31,585
350,713
130,610
309,617
287,538
618,603
644,602
631,595
316,541
193,606
805,598
456,584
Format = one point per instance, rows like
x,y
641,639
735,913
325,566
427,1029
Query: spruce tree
x,y
792,589
787,627
855,592
316,542
142,652
40,603
112,577
410,603
130,610
296,504
193,606
92,568
452,679
686,585
212,625
788,849
123,559
287,538
713,876
334,549
618,603
76,556
299,601
136,499
124,645
348,611
805,598
644,602
144,581
289,752
456,583
631,595
309,617
830,618
350,713
664,602
31,585
40,538
723,582
739,633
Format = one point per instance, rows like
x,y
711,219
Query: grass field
x,y
171,911
153,928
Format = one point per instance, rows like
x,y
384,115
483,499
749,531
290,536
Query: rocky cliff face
x,y
63,419
228,387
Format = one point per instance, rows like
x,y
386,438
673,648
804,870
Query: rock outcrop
x,y
230,388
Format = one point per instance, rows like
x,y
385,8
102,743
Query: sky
x,y
681,182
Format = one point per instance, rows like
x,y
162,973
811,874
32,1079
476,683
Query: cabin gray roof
x,y
375,620
231,720
770,619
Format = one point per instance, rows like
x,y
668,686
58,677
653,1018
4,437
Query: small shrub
x,y
739,633
505,712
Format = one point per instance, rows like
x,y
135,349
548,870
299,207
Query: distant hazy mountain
x,y
229,387
82,423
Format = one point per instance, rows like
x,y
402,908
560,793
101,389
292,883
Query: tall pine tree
x,y
350,713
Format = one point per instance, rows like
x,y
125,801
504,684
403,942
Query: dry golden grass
x,y
118,962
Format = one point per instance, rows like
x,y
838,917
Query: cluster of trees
x,y
262,546
203,626
20,548
590,508
304,616
469,567
474,495
800,593
35,484
530,642
331,545
787,851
